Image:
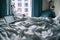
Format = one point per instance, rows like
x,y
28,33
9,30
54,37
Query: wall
x,y
45,5
57,7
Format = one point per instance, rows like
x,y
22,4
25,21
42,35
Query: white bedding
x,y
32,29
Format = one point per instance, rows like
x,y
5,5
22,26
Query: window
x,y
19,4
26,9
13,0
26,0
20,9
19,0
26,4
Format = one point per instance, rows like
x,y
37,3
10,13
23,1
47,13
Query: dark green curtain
x,y
3,8
36,8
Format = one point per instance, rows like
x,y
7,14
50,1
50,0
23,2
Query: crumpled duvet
x,y
32,29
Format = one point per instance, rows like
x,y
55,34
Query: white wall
x,y
57,7
45,5
56,4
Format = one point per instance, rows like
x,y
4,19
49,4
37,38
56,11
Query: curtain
x,y
36,8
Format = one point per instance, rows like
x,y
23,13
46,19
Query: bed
x,y
31,29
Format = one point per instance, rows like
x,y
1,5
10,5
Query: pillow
x,y
9,19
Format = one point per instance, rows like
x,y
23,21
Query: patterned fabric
x,y
32,29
